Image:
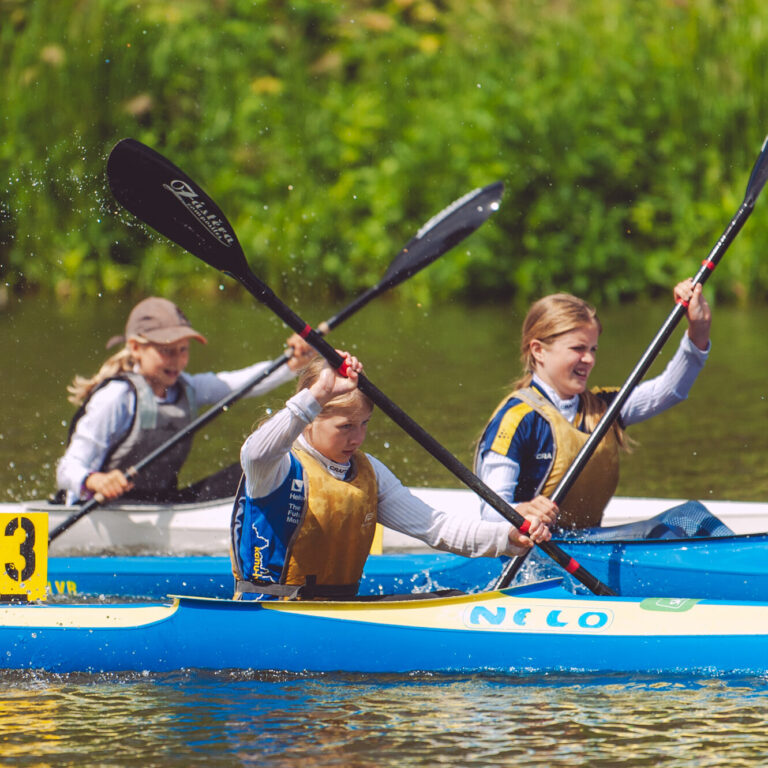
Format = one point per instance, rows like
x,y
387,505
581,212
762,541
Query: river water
x,y
225,720
447,366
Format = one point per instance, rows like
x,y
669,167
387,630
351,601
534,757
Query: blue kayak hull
x,y
720,568
156,577
727,568
535,629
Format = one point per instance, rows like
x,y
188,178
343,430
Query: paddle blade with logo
x,y
162,195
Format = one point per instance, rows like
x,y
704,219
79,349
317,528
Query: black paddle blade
x,y
154,190
759,175
444,230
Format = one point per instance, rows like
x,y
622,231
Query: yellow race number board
x,y
23,556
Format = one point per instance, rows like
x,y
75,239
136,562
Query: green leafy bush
x,y
330,131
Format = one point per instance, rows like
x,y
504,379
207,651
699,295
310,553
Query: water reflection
x,y
287,720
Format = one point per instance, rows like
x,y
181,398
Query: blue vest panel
x,y
260,549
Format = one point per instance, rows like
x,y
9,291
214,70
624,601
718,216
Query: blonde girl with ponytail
x,y
539,427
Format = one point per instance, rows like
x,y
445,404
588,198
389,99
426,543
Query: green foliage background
x,y
330,131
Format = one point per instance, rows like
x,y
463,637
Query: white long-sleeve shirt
x,y
648,399
109,415
266,463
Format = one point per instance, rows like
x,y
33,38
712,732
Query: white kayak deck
x,y
739,516
203,528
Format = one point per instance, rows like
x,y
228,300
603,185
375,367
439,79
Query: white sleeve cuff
x,y
304,405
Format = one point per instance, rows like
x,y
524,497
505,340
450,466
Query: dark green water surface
x,y
446,366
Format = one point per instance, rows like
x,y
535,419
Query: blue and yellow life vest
x,y
310,537
584,504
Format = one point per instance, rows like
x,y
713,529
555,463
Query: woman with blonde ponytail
x,y
141,397
538,429
81,388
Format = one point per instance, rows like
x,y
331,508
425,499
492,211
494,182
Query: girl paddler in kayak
x,y
538,429
309,501
140,398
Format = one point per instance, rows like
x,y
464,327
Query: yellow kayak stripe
x,y
493,612
498,612
84,617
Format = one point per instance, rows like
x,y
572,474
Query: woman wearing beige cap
x,y
140,398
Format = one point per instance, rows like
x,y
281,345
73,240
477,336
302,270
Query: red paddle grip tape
x,y
681,302
572,566
344,368
525,527
710,265
307,330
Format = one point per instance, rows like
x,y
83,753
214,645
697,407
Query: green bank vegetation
x,y
330,131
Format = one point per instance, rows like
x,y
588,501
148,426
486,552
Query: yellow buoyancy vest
x,y
584,504
338,524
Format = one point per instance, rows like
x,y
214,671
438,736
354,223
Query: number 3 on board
x,y
23,556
